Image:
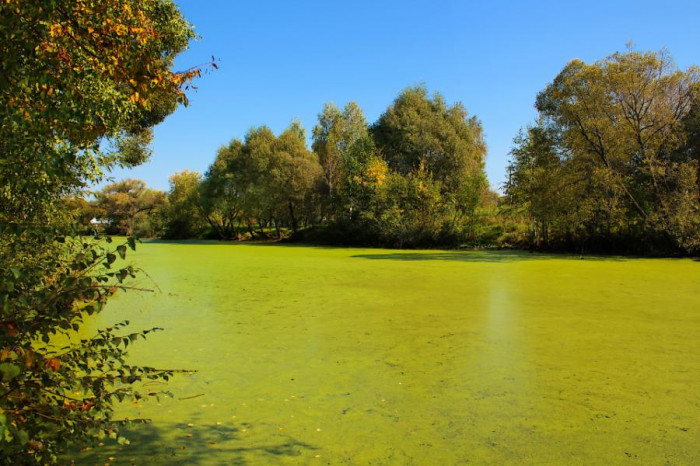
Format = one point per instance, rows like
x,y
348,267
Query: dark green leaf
x,y
9,371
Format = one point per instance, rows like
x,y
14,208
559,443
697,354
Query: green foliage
x,y
77,76
536,183
265,179
612,159
385,186
182,213
219,194
57,391
342,143
417,130
422,134
81,84
130,208
294,172
410,208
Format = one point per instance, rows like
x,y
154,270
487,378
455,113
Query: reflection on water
x,y
346,356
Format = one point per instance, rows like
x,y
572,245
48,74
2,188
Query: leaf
x,y
53,364
111,258
9,371
121,249
22,436
132,242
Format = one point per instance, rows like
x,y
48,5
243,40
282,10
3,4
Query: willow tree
x,y
81,84
625,119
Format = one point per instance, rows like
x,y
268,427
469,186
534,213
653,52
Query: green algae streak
x,y
312,355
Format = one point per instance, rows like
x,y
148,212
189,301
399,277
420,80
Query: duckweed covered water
x,y
362,356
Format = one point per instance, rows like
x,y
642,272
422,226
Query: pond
x,y
310,355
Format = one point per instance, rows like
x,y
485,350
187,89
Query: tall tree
x,y
81,83
219,192
333,140
252,172
417,129
294,172
182,213
626,116
342,142
130,208
537,183
418,132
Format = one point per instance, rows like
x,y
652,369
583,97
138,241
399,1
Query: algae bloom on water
x,y
367,356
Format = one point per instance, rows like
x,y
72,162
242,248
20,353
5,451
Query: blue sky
x,y
282,60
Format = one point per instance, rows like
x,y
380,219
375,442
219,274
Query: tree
x,y
130,208
337,140
182,213
237,184
219,193
411,209
294,171
328,143
625,120
364,172
78,77
421,133
252,172
417,130
81,84
536,182
264,179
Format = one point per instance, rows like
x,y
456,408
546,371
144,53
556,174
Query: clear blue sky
x,y
281,60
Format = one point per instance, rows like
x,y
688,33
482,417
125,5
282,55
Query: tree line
x,y
610,165
413,178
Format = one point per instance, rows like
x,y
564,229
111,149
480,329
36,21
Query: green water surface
x,y
310,355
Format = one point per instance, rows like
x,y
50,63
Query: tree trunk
x,y
295,225
250,228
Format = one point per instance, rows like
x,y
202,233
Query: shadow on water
x,y
192,443
481,256
475,255
217,242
